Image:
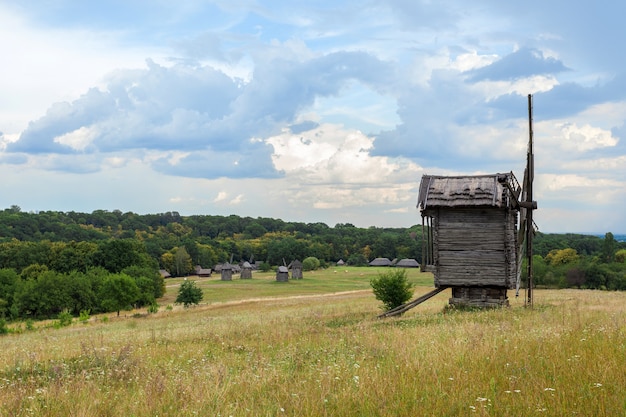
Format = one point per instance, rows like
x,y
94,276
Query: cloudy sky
x,y
316,111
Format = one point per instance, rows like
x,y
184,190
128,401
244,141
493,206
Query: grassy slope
x,y
326,354
265,284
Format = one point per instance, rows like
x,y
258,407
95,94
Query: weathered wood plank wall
x,y
474,246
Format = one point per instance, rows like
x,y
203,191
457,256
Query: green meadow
x,y
314,347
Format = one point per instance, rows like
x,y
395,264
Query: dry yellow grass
x,y
328,355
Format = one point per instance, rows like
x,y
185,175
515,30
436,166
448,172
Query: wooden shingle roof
x,y
464,191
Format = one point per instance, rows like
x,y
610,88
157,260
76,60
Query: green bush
x,y
65,318
84,316
392,288
311,263
189,294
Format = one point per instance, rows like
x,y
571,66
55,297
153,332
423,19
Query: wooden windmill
x,y
476,230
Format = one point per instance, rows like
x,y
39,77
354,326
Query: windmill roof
x,y
465,191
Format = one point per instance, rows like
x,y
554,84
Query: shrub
x,y
311,263
65,318
392,288
84,316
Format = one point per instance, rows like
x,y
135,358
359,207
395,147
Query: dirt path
x,y
220,304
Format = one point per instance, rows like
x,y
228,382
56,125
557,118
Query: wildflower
x,y
481,399
597,385
549,389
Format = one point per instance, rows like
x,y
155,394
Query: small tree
x,y
392,288
118,291
608,248
189,293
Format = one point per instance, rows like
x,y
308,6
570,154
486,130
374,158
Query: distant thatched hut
x,y
203,272
164,273
340,262
407,263
227,272
282,274
380,262
296,269
470,241
246,271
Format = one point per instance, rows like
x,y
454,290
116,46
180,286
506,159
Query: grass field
x,y
314,347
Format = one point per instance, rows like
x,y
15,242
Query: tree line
x,y
178,243
588,263
42,279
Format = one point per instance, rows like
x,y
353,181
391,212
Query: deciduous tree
x,y
189,294
118,292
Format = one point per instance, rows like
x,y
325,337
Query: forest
x,y
53,261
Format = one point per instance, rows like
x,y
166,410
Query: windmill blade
x,y
529,204
521,232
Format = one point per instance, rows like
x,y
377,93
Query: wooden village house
x,y
470,236
202,272
380,262
407,263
